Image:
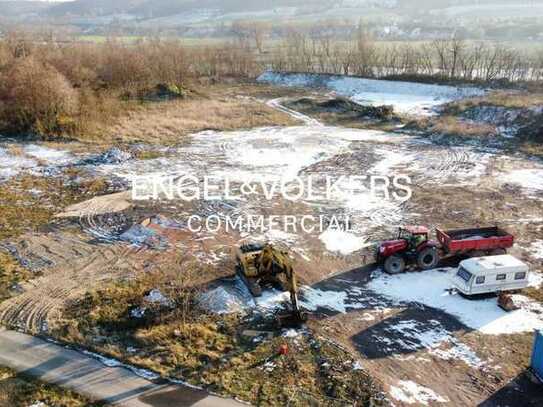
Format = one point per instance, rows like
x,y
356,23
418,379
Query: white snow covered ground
x,y
483,315
343,242
405,97
412,336
49,155
410,392
32,158
530,179
11,164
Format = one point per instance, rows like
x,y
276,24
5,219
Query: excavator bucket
x,y
291,319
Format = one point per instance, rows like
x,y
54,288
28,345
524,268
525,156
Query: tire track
x,y
44,298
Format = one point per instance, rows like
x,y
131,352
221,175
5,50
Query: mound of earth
x,y
341,110
111,203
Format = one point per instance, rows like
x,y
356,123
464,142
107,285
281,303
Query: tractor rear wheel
x,y
428,258
395,265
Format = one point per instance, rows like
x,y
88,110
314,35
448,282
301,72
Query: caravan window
x,y
480,280
501,277
520,276
464,274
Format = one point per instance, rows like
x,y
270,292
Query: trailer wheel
x,y
498,252
428,258
395,265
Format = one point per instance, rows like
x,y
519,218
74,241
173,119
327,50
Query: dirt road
x,y
85,375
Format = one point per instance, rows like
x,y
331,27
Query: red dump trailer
x,y
413,246
476,242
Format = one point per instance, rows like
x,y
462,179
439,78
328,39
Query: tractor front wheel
x,y
395,265
428,258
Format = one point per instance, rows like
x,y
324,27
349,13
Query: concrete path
x,y
87,376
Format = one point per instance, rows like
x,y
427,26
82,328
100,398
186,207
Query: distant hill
x,y
93,8
159,8
19,8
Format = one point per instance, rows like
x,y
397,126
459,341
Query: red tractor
x,y
412,246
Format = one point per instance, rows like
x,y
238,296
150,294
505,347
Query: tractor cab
x,y
414,236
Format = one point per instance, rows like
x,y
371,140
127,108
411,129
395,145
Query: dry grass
x,y
11,273
75,90
512,100
529,138
532,148
18,390
188,343
169,122
28,202
534,292
454,126
515,100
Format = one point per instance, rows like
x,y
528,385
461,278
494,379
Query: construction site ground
x,y
425,346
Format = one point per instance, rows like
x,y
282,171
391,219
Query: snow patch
x,y
221,300
110,362
343,242
410,392
413,335
531,179
49,155
140,235
430,288
536,249
11,165
405,97
333,300
155,296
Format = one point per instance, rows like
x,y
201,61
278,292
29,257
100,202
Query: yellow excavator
x,y
260,266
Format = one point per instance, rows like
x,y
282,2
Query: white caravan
x,y
493,274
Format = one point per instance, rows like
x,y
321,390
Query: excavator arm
x,y
272,265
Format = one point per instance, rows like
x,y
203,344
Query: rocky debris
x,y
143,236
155,296
112,156
28,260
508,121
497,115
115,156
225,299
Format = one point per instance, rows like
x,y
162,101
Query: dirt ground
x,y
111,238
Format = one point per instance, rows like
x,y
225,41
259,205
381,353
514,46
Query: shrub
x,y
36,98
